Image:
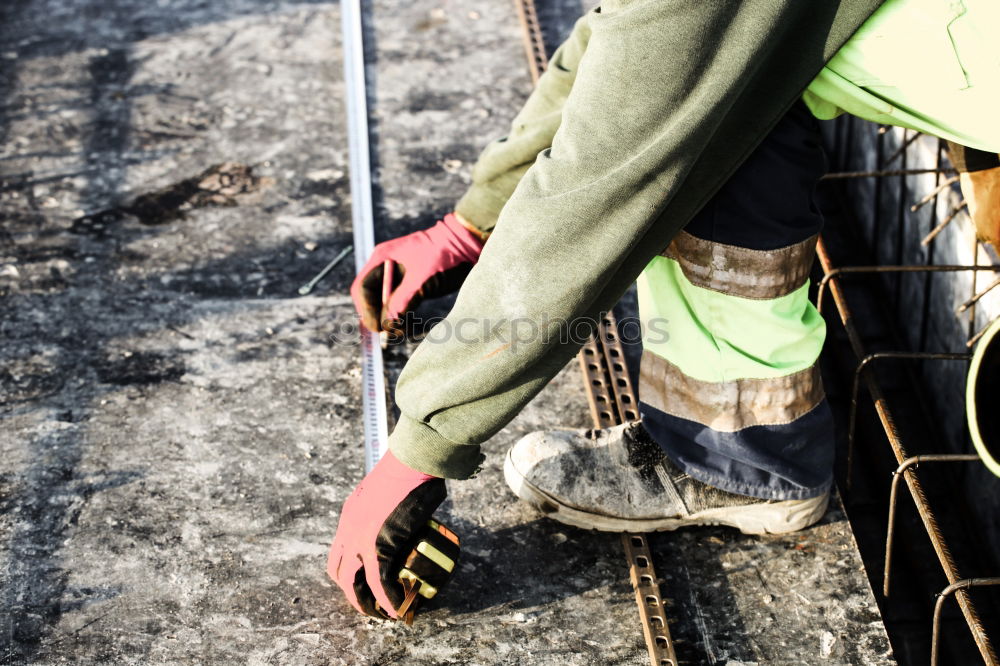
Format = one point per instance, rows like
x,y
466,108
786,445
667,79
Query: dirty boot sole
x,y
762,518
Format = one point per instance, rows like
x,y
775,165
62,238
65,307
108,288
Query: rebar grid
x,y
844,140
906,469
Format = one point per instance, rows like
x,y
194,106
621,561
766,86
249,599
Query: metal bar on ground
x,y
607,349
602,406
307,288
362,218
612,401
534,47
927,516
914,462
647,596
626,400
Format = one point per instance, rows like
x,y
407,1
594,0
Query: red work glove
x,y
376,533
433,262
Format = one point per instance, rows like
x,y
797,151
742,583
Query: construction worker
x,y
669,142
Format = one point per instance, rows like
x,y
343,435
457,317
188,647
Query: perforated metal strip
x,y
647,596
534,44
608,348
612,401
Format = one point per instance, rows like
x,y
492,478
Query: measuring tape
x,y
372,374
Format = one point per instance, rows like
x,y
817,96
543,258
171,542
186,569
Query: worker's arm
x,y
669,98
504,162
979,175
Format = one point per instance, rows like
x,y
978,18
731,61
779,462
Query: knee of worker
x,y
768,203
722,318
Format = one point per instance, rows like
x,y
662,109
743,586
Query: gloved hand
x,y
982,192
432,262
378,523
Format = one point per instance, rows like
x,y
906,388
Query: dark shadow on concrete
x,y
48,504
51,496
529,565
702,605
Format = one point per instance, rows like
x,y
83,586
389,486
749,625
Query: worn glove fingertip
x,y
364,600
374,579
345,578
403,299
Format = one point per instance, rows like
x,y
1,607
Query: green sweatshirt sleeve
x,y
504,162
669,98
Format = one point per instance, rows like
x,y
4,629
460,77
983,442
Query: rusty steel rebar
x,y
901,151
933,233
910,463
863,365
837,175
939,604
612,401
839,271
933,194
977,296
927,516
975,338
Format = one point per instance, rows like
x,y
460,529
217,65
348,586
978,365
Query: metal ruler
x,y
612,401
362,219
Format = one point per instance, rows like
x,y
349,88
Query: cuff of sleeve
x,y
420,447
473,229
480,208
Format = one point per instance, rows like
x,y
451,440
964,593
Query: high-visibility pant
x,y
729,384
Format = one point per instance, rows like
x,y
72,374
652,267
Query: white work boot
x,y
619,480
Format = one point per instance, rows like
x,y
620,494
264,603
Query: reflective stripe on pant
x,y
729,384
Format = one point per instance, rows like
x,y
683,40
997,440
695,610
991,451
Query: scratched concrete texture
x,y
179,427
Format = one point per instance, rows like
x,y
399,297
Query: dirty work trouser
x,y
730,387
645,114
729,384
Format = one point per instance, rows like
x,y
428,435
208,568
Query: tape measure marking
x,y
362,218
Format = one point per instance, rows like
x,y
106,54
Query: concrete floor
x,y
179,427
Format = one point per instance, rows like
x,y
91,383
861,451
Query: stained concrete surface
x,y
179,428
